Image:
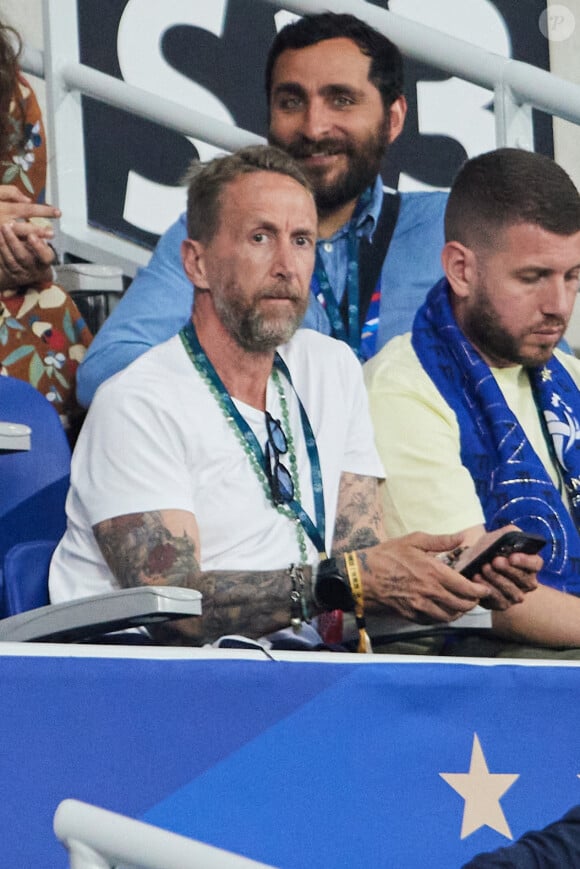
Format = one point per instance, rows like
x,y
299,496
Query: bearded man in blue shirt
x,y
335,95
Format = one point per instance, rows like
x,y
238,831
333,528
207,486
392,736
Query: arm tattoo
x,y
359,517
363,561
140,550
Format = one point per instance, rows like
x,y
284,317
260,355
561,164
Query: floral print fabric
x,y
43,336
42,340
25,166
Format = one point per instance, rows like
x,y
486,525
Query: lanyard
x,y
323,288
315,531
363,343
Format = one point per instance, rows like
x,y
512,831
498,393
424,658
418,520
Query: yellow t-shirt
x,y
417,435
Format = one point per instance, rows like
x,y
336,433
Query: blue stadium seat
x,y
25,576
35,481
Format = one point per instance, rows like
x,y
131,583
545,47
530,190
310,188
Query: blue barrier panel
x,y
295,764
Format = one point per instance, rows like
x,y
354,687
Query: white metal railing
x,y
99,839
518,87
525,84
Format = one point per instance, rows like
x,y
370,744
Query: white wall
x,y
26,17
565,62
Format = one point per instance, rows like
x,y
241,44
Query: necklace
x,y
293,510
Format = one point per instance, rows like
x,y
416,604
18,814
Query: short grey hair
x,y
206,183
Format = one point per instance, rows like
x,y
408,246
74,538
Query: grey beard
x,y
254,332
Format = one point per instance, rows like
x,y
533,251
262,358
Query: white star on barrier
x,y
482,791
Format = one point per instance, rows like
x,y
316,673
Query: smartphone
x,y
511,541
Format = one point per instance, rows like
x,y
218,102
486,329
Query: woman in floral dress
x,y
43,336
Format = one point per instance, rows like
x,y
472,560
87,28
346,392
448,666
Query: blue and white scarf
x,y
512,484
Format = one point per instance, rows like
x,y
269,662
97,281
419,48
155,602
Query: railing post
x,y
513,120
67,165
81,856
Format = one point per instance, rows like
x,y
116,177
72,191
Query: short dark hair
x,y
386,70
510,186
206,183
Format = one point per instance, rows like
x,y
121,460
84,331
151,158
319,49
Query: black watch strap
x,y
331,589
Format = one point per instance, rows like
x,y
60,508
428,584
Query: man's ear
x,y
397,115
460,267
193,258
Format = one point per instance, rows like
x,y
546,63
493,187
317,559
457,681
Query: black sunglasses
x,y
279,478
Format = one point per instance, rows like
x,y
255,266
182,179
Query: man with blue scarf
x,y
476,411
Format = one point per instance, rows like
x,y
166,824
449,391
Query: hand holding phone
x,y
506,544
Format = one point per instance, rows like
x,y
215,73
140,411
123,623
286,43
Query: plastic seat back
x,y
33,483
25,576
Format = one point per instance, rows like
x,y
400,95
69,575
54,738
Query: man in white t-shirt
x,y
233,457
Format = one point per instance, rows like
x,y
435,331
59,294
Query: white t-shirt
x,y
156,438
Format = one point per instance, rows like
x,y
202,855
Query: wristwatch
x,y
331,589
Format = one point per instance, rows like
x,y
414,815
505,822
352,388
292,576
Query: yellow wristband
x,y
351,563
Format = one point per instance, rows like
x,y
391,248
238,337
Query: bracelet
x,y
298,604
353,572
315,600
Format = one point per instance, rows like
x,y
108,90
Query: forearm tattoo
x,y
363,561
359,518
140,550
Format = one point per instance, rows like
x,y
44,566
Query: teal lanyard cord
x,y
322,286
315,531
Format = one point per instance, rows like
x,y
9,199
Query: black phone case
x,y
511,541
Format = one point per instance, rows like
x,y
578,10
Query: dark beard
x,y
363,166
482,327
483,330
